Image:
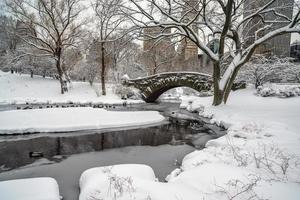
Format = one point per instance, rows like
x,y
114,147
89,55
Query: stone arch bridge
x,y
152,87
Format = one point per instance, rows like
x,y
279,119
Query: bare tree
x,y
224,21
109,19
98,56
158,58
55,28
70,59
119,50
131,63
7,40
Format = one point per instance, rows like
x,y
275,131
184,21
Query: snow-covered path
x,y
71,119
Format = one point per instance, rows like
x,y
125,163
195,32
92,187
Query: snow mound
x,y
44,188
72,119
117,181
131,182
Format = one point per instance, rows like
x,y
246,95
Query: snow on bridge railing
x,y
126,77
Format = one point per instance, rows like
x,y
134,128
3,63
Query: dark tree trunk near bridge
x,y
221,96
103,68
218,94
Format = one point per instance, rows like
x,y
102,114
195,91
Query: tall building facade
x,y
278,46
188,49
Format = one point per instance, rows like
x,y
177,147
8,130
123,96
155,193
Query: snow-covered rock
x,y
115,182
44,188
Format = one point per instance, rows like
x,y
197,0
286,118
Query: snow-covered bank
x,y
260,154
71,119
44,188
21,89
257,159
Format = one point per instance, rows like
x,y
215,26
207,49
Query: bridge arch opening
x,y
167,93
177,92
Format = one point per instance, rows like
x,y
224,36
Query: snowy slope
x,y
19,89
262,144
71,119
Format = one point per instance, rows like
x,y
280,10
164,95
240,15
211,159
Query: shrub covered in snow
x,y
279,90
263,70
127,92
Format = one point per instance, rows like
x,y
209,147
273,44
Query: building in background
x,y
295,50
187,49
278,46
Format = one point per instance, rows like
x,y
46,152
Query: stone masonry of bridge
x,y
152,87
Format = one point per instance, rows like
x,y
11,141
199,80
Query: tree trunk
x,y
103,70
229,85
154,70
63,82
218,94
218,97
257,83
222,95
65,73
298,77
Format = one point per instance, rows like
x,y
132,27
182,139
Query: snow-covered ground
x,y
20,89
44,188
259,155
71,119
257,159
